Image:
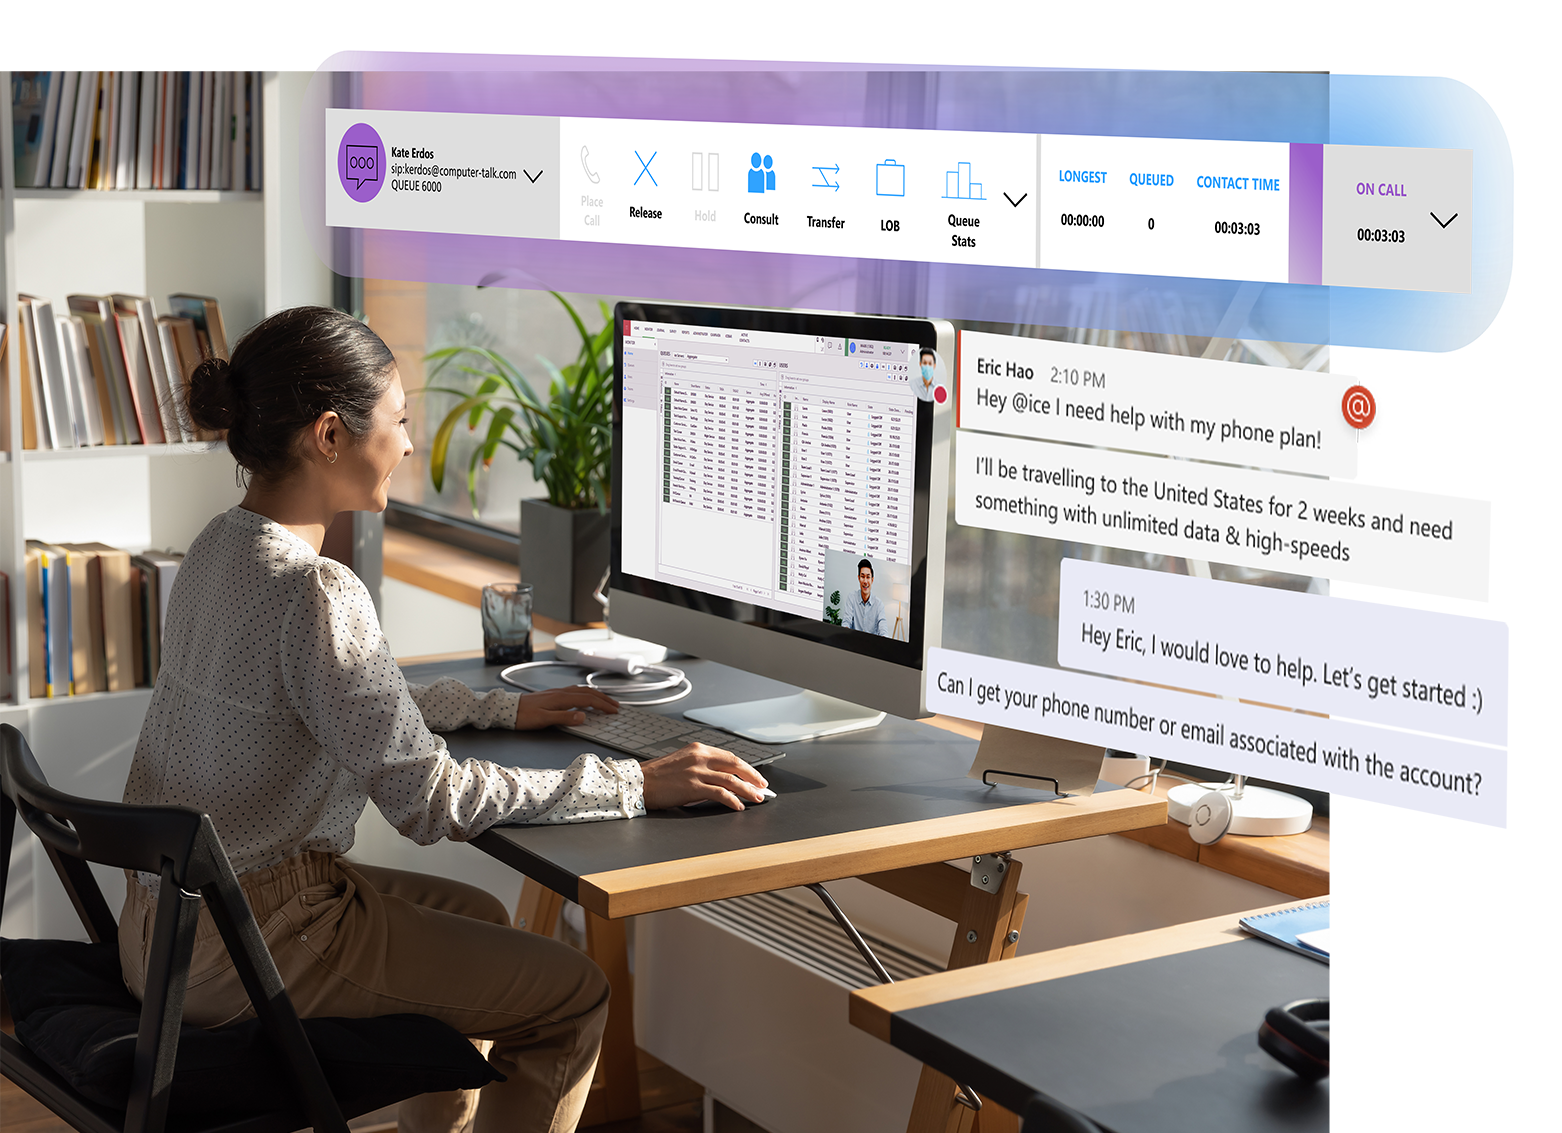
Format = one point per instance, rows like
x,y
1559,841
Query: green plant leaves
x,y
567,438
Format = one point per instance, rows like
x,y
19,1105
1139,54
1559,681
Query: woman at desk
x,y
280,711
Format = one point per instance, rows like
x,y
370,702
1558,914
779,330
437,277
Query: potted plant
x,y
566,437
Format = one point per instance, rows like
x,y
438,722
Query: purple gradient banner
x,y
1306,212
777,61
1304,110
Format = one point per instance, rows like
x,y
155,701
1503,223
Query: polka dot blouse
x,y
280,712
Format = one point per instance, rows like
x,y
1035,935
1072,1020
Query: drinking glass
x,y
507,623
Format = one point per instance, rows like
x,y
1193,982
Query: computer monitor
x,y
779,492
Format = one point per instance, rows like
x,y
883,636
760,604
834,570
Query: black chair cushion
x,y
72,1010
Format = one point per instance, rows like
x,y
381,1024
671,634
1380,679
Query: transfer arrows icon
x,y
1444,223
1014,202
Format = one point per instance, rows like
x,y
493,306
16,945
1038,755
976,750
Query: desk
x,y
891,805
1297,864
1150,1033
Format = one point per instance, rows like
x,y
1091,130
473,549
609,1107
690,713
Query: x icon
x,y
645,167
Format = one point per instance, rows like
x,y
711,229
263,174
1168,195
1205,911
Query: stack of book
x,y
94,617
137,129
113,371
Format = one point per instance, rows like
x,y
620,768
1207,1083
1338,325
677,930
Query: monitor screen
x,y
773,467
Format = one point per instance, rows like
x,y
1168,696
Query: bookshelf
x,y
177,196
251,251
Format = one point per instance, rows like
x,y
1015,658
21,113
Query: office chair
x,y
107,1064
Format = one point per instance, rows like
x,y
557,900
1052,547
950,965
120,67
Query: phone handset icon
x,y
584,164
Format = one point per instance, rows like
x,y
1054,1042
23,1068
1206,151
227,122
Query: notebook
x,y
1286,925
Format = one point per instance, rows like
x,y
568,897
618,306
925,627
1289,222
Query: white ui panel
x,y
943,196
1270,212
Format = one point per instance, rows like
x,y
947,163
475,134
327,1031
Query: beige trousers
x,y
359,941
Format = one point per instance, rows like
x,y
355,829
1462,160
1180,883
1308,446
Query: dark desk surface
x,y
1165,1042
880,799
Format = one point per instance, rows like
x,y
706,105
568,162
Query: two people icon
x,y
761,174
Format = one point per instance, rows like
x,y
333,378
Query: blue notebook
x,y
1285,925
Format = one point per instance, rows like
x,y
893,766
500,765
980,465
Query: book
x,y
143,390
32,394
64,129
51,124
146,129
54,599
41,340
86,620
182,339
1284,926
208,117
206,313
189,126
164,396
138,640
5,402
30,103
236,131
108,366
118,594
37,639
219,129
247,157
32,426
81,130
100,175
164,565
72,334
179,371
200,144
58,375
160,179
125,136
159,568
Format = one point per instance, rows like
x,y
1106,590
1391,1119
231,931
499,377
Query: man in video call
x,y
863,611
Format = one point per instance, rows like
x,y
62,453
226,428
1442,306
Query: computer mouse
x,y
765,795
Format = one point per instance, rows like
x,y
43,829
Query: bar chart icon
x,y
958,185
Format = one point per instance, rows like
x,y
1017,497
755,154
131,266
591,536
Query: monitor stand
x,y
788,719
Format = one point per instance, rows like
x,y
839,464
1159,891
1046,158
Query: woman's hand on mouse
x,y
560,706
695,773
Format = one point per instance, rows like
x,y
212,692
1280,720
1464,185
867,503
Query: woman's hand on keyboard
x,y
697,772
560,706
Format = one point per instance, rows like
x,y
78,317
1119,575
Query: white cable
x,y
669,677
664,677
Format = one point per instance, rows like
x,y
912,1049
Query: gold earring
x,y
333,458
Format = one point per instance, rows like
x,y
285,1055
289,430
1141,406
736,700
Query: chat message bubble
x,y
1431,672
363,165
1433,522
1272,521
1163,403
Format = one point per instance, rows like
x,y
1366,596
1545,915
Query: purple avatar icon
x,y
360,162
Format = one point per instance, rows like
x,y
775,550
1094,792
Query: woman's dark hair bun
x,y
214,402
286,371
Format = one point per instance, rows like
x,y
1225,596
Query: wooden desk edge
x,y
711,877
871,1009
1297,864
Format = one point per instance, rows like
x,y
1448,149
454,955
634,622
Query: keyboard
x,y
647,735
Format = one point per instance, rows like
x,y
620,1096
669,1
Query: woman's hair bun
x,y
286,372
214,402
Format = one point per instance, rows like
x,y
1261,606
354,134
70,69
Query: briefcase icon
x,y
889,178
